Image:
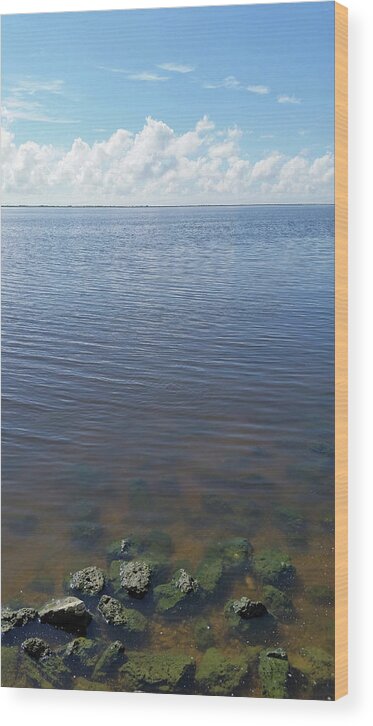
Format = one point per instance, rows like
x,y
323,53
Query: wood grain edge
x,y
341,350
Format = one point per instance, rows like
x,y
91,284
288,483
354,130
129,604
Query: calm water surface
x,y
169,369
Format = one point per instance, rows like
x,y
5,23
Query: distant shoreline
x,y
162,206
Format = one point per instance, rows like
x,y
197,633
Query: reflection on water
x,y
170,369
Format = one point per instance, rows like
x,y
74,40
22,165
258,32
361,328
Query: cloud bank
x,y
158,166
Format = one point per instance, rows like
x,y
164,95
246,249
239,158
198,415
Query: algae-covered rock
x,y
84,684
274,673
109,662
135,578
234,553
9,666
203,634
274,567
248,609
89,581
81,654
157,672
317,667
278,603
16,618
221,675
260,628
36,648
172,596
69,613
115,614
49,672
209,574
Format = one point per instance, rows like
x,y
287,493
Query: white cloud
x,y
231,82
158,166
147,76
176,67
288,99
17,108
31,86
262,90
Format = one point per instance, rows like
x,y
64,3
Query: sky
x,y
214,105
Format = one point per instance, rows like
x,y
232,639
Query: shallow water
x,y
172,369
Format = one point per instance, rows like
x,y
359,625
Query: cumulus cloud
x,y
288,99
262,90
158,166
176,67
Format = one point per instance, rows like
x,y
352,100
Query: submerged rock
x,y
36,648
16,618
203,634
115,614
247,609
82,653
274,673
234,553
220,675
89,581
185,582
317,668
249,620
157,672
135,578
278,603
171,596
69,613
274,567
9,666
49,672
109,662
209,574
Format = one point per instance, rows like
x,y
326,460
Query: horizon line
x,y
165,206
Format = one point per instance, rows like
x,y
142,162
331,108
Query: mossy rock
x,y
47,673
278,603
81,654
221,675
9,666
234,553
255,630
274,567
116,614
274,673
317,668
154,544
157,672
159,569
84,684
203,634
170,597
109,662
209,574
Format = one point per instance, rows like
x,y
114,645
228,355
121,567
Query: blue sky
x,y
264,69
